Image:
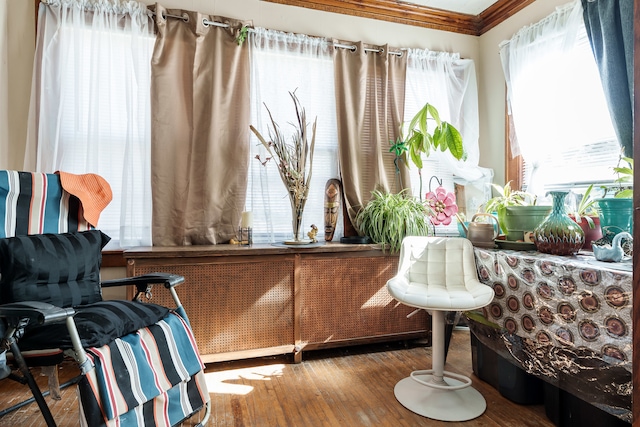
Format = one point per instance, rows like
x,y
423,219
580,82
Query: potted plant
x,y
586,215
419,138
616,213
518,212
387,218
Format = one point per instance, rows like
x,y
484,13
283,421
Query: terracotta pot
x,y
590,234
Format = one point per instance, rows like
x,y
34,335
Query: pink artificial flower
x,y
443,205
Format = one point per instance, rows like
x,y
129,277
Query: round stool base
x,y
443,405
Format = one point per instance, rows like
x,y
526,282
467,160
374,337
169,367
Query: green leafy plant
x,y
387,218
507,197
444,136
242,35
426,133
625,177
586,208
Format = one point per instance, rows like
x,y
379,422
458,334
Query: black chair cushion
x,y
61,269
98,324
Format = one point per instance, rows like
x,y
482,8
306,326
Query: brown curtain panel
x,y
200,128
370,108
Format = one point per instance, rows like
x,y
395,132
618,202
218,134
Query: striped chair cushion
x,y
34,203
60,269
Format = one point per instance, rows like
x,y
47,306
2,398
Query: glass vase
x,y
558,234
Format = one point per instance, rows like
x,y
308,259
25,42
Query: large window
x,y
93,106
561,123
94,118
282,63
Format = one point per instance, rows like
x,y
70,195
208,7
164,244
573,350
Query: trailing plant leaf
x,y
242,35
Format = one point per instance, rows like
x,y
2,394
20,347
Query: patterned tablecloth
x,y
564,319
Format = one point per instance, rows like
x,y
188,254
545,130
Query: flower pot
x,y
616,215
590,234
521,220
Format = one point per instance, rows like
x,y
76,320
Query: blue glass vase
x,y
558,234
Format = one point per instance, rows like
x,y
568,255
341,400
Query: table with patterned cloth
x,y
565,319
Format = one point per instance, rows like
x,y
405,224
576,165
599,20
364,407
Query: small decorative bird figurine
x,y
613,252
312,234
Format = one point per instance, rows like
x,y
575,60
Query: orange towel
x,y
93,191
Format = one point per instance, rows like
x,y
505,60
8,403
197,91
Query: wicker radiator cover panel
x,y
349,300
234,307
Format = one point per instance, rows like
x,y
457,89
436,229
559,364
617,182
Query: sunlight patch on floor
x,y
232,381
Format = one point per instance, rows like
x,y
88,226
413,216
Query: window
x,y
94,108
283,63
558,110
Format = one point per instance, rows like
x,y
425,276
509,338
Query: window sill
x,y
113,258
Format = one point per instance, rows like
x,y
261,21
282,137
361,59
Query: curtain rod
x,y
207,23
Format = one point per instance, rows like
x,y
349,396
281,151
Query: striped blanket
x,y
150,378
40,198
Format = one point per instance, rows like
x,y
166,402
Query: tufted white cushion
x,y
439,273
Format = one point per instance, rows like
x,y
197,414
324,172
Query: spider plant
x,y
387,218
507,197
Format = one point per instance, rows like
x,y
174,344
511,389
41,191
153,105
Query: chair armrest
x,y
40,313
142,282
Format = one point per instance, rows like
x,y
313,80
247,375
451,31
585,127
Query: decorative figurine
x,y
613,252
312,234
332,200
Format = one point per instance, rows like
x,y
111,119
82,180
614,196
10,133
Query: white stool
x,y
439,274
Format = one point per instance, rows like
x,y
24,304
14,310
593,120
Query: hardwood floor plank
x,y
338,387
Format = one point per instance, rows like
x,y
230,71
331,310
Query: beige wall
x,y
17,46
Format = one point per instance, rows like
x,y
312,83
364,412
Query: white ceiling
x,y
471,7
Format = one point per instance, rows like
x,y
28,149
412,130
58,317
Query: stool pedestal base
x,y
438,404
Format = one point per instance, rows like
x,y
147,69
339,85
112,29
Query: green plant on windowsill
x,y
625,178
420,138
586,209
507,197
387,218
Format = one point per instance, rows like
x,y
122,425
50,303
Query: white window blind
x,y
283,63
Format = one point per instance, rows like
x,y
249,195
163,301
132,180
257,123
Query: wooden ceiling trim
x,y
499,11
417,15
395,11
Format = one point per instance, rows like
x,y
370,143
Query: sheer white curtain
x,y
449,83
556,102
282,63
90,104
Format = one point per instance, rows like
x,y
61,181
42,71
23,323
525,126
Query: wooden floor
x,y
340,387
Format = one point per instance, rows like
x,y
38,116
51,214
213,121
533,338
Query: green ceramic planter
x,y
519,220
616,215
